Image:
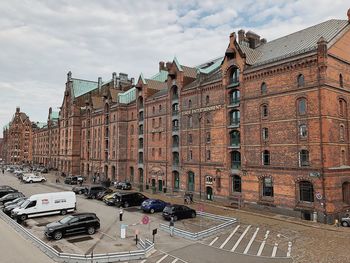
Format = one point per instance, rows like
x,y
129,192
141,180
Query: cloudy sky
x,y
40,41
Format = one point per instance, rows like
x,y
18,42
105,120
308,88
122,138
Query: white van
x,y
46,204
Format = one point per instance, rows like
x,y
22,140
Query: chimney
x,y
132,80
18,109
114,78
69,76
241,36
253,39
99,83
50,110
263,41
161,66
168,65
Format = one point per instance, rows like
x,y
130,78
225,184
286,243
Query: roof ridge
x,y
85,80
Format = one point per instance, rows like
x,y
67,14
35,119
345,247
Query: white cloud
x,y
42,40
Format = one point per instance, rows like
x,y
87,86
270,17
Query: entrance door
x,y
190,186
160,185
153,182
209,193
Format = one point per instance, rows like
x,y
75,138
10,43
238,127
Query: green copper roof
x,y
81,87
54,115
40,124
210,66
161,76
127,96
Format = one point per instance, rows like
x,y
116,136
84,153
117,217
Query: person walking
x,y
171,226
121,212
94,178
3,170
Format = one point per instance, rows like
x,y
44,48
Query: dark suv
x,y
71,180
178,212
126,199
73,224
93,191
123,186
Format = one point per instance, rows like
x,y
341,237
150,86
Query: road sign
x,y
145,220
318,196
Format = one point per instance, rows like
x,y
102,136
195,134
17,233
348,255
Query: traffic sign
x,y
145,220
318,196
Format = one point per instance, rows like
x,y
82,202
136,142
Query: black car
x,y
71,180
44,170
126,199
100,195
10,197
123,186
8,208
6,191
178,212
73,224
80,189
93,191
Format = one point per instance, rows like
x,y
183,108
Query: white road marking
x,y
212,242
289,249
263,243
251,241
143,261
160,260
176,259
274,250
229,237
240,238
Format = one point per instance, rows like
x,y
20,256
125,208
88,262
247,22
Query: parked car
x,y
73,224
5,191
44,170
80,189
126,199
345,221
178,212
153,205
8,208
73,179
123,186
10,197
14,201
34,179
93,191
101,195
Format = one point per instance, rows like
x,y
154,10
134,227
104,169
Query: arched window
x,y
234,117
304,158
153,109
306,191
342,108
342,157
302,106
140,103
236,184
190,121
234,97
303,131
141,129
189,103
264,111
160,107
234,138
265,134
190,181
176,180
346,192
175,141
176,158
175,94
207,100
267,186
301,81
266,157
235,160
234,76
342,132
175,109
341,84
140,143
263,88
208,155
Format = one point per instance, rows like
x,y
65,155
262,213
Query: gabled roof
x,y
81,87
153,84
161,76
296,43
189,72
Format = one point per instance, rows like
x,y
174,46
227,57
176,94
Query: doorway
x,y
160,185
209,193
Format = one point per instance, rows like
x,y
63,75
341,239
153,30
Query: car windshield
x,y
24,204
168,209
66,219
21,202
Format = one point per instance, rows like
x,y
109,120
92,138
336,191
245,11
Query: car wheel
x,y
23,217
175,218
151,211
30,181
80,192
57,235
193,215
126,205
93,196
91,230
344,223
63,212
42,180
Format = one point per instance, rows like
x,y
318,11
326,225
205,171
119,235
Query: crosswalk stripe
x,y
212,242
274,250
251,241
160,260
289,249
229,237
240,238
263,243
176,259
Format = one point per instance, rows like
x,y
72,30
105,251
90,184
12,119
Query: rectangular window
x,y
267,187
265,134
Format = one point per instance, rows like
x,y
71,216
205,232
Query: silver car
x,y
345,221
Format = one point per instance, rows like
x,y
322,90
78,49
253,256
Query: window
x,y
160,151
303,131
342,107
341,84
234,117
302,106
153,122
209,179
153,151
190,155
264,111
189,103
234,138
265,134
234,97
160,121
263,88
301,81
153,110
342,157
306,190
190,139
208,137
31,204
236,184
304,158
267,187
342,132
266,157
235,160
346,192
234,76
190,121
208,155
207,100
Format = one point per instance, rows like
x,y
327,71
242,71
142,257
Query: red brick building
x,y
1,148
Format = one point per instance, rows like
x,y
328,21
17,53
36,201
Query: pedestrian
x,y
191,198
171,226
94,178
3,170
121,212
98,178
